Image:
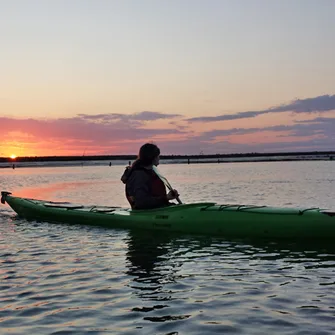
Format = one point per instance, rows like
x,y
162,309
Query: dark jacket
x,y
144,189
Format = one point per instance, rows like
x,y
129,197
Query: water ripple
x,y
61,279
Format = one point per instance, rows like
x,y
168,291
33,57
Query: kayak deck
x,y
201,218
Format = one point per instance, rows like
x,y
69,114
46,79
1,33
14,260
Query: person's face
x,y
156,161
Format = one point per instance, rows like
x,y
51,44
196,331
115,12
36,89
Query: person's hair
x,y
147,154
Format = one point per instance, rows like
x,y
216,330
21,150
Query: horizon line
x,y
171,156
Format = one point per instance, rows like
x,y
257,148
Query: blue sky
x,y
196,59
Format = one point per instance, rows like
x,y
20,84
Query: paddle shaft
x,y
166,182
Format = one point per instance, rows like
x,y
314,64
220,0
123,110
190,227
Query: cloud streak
x,y
317,126
116,133
320,104
96,131
141,117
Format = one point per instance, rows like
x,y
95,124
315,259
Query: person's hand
x,y
173,194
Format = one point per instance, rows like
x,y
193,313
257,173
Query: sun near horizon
x,y
12,156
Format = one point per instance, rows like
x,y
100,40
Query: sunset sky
x,y
218,76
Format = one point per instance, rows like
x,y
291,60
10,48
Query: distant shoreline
x,y
70,161
164,157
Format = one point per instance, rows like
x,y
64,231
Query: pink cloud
x,y
123,134
320,104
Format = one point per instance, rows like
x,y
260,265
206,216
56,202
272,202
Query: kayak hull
x,y
197,218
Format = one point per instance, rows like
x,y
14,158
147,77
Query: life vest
x,y
157,187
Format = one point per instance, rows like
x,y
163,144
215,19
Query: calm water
x,y
59,279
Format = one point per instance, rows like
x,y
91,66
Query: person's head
x,y
149,154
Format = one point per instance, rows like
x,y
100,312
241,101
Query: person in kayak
x,y
144,189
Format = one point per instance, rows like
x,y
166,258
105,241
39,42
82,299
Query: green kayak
x,y
199,218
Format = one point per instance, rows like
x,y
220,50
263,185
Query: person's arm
x,y
139,182
125,175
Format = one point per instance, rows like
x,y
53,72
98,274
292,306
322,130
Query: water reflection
x,y
162,265
158,262
147,254
169,281
157,258
177,277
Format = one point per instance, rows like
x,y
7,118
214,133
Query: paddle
x,y
165,181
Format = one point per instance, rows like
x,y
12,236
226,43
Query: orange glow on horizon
x,y
12,156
